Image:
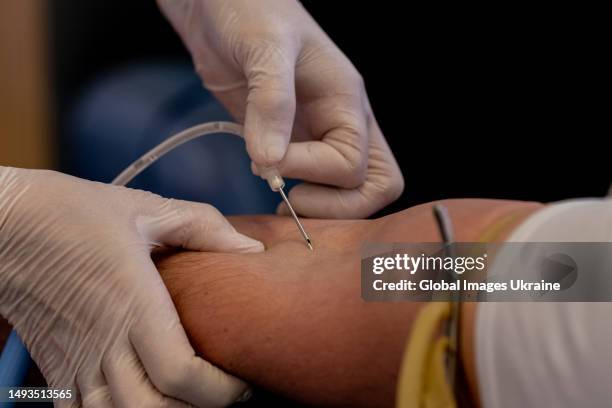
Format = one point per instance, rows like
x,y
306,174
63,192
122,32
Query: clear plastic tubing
x,y
270,174
173,142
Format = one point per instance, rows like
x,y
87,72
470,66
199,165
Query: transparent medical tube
x,y
173,142
270,174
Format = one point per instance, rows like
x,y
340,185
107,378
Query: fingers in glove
x,y
270,105
172,366
318,201
339,164
94,390
383,184
129,384
340,157
194,226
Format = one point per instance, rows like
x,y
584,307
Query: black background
x,y
510,102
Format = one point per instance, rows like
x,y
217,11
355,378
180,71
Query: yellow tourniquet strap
x,y
423,382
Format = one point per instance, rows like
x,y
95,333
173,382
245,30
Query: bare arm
x,y
294,322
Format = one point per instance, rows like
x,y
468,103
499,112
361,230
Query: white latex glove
x,y
269,63
78,284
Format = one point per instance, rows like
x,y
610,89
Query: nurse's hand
x,y
276,70
78,284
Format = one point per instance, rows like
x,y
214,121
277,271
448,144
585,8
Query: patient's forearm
x,y
293,321
311,338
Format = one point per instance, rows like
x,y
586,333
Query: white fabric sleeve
x,y
549,354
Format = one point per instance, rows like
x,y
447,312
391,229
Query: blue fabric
x,y
14,364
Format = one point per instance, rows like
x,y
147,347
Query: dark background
x,y
508,102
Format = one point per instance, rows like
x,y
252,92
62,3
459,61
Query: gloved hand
x,y
78,284
269,63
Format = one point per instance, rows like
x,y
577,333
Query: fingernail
x,y
247,244
274,149
246,395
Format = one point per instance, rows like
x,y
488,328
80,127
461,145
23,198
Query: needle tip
x,y
309,243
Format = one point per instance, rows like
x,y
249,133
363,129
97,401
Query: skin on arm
x,y
293,321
